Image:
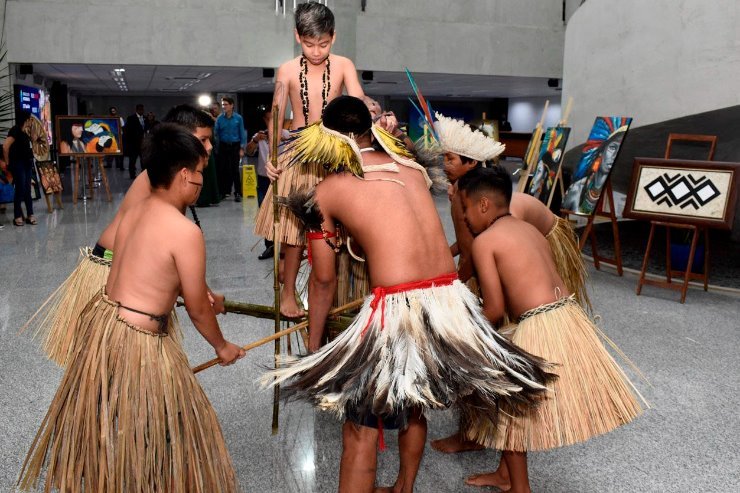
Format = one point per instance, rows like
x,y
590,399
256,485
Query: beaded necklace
x,y
325,82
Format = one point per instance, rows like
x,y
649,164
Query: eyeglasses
x,y
194,183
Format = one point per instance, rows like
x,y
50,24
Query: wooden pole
x,y
278,334
276,256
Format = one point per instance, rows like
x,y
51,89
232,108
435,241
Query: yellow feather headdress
x,y
318,144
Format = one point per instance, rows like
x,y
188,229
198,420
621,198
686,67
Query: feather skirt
x,y
293,178
128,416
568,260
425,347
592,395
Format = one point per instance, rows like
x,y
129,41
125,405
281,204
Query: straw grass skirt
x,y
293,178
592,395
128,416
568,261
424,344
57,317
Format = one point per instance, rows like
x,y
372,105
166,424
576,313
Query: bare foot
x,y
494,479
289,306
454,444
384,489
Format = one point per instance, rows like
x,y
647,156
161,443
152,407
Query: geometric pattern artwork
x,y
682,191
678,191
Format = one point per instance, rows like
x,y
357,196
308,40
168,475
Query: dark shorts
x,y
394,421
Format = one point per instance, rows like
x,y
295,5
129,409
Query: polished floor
x,y
687,441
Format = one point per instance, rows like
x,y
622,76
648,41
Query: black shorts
x,y
393,421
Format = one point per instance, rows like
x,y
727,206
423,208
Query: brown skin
x,y
140,190
516,273
524,207
287,86
150,279
401,234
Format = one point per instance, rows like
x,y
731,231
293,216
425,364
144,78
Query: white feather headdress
x,y
459,138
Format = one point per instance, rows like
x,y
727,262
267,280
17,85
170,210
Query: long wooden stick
x,y
276,256
277,335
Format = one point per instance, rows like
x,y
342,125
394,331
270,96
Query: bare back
x,y
529,209
139,190
397,226
145,274
342,73
513,260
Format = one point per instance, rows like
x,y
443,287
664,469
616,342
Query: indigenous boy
x,y
517,276
129,414
61,311
420,341
311,81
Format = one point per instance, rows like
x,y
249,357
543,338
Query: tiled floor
x,y
687,441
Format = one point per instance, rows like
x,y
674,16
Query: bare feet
x,y
494,479
384,489
289,306
454,444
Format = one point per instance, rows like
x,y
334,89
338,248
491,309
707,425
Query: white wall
x,y
525,113
653,60
488,37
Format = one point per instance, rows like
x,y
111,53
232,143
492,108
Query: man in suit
x,y
133,133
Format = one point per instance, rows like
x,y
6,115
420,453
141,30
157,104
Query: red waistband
x,y
380,292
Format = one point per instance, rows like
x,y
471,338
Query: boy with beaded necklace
x,y
310,81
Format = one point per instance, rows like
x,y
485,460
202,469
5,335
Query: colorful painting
x,y
593,170
88,135
50,180
548,163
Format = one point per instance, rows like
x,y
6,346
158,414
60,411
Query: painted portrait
x,y
593,170
548,163
88,135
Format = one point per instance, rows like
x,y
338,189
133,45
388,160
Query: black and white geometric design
x,y
682,190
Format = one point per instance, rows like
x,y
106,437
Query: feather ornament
x,y
318,144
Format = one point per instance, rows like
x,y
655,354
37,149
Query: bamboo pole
x,y
276,256
278,334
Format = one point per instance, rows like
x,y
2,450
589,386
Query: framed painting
x,y
702,193
88,135
594,168
548,163
49,175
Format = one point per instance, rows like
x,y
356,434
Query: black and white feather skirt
x,y
424,344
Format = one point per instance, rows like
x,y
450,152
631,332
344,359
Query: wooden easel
x,y
57,199
588,232
89,166
695,230
559,175
530,158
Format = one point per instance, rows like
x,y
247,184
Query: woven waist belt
x,y
547,307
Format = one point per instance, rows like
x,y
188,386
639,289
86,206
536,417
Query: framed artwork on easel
x,y
547,171
596,163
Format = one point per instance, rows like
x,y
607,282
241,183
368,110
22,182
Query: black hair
x,y
228,99
313,20
23,117
139,106
347,114
189,117
167,150
493,180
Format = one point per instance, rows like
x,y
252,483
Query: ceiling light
x,y
205,100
